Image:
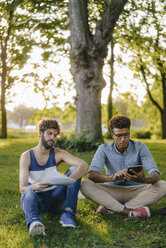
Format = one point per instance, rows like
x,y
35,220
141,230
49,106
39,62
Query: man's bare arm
x,y
64,156
152,178
98,177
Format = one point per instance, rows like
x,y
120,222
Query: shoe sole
x,y
148,212
105,212
66,225
102,210
37,230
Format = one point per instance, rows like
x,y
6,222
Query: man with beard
x,y
38,166
121,189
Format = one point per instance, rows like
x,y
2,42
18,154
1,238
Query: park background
x,y
81,62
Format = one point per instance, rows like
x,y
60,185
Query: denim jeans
x,y
50,201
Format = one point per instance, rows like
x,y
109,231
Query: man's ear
x,y
40,133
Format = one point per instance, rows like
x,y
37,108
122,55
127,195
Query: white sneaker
x,y
103,210
36,228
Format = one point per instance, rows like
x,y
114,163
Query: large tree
x,y
88,51
143,34
88,46
15,45
27,24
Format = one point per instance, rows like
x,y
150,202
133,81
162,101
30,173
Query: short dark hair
x,y
119,121
49,123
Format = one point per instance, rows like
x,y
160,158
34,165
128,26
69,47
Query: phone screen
x,y
137,169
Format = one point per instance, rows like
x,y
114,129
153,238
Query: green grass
x,y
93,230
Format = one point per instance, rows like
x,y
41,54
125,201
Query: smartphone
x,y
135,168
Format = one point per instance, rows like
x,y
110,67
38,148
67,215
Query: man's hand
x,y
119,175
141,178
40,186
137,177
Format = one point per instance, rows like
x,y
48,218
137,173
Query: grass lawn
x,y
93,230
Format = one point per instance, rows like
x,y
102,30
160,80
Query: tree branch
x,y
163,80
147,87
12,9
105,27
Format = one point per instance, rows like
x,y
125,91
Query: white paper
x,y
52,176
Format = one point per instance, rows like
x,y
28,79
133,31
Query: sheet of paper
x,y
52,176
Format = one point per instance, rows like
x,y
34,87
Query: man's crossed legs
x,y
129,200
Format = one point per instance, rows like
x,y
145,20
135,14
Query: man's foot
x,y
103,210
36,228
67,219
139,212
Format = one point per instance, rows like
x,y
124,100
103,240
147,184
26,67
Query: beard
x,y
45,142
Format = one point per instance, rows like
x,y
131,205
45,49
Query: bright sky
x,y
24,93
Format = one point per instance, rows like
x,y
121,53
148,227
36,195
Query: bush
x,y
79,142
141,134
108,135
63,142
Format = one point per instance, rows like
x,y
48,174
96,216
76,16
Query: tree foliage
x,y
151,113
21,114
66,115
15,44
142,36
45,113
26,25
104,116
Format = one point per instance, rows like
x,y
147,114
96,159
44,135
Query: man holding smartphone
x,y
123,189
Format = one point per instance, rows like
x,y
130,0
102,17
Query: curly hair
x,y
49,123
119,121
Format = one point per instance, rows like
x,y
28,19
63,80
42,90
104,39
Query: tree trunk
x,y
163,113
3,44
89,83
110,100
163,124
87,59
3,114
3,93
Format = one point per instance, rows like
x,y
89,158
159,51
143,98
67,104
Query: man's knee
x,y
29,194
73,168
161,185
70,170
85,186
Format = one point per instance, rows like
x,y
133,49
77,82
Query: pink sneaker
x,y
139,212
103,210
